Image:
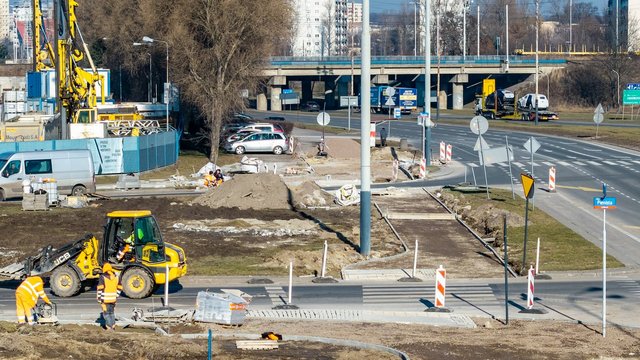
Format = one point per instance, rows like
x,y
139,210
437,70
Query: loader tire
x,y
65,282
137,283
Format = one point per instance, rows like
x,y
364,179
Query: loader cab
x,y
140,231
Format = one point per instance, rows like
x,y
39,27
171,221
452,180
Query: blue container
x,y
35,84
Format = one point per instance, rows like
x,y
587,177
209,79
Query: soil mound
x,y
342,148
248,191
309,194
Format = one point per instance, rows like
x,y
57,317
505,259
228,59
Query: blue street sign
x,y
397,113
633,86
604,203
287,91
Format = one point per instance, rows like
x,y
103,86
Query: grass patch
x,y
561,249
327,129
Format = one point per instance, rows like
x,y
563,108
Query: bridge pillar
x,y
307,90
442,100
457,83
330,99
276,102
261,102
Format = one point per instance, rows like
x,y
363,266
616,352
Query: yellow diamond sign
x,y
527,185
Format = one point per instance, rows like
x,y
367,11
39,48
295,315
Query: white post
x,y
415,260
506,35
537,69
349,117
538,257
570,27
478,30
324,259
166,286
464,31
290,280
604,272
275,168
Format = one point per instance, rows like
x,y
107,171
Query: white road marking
x,y
579,163
594,163
609,162
518,164
564,163
548,163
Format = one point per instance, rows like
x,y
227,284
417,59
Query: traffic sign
x,y
598,114
390,101
631,97
424,119
495,155
479,125
323,119
532,145
604,203
527,185
481,142
632,86
396,113
390,91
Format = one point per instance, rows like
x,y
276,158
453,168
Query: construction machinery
x,y
500,104
79,263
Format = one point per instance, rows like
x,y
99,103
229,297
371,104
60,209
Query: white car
x,y
527,102
274,142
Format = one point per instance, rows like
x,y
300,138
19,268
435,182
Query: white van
x,y
72,170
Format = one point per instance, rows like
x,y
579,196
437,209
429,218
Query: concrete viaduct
x,y
460,79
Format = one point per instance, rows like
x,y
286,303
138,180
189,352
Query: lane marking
x,y
594,163
579,163
609,162
583,188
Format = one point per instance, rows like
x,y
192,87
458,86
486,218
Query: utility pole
x,y
426,150
537,70
478,29
570,27
415,28
464,30
617,31
506,35
438,4
365,127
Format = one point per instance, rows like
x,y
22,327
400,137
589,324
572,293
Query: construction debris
x,y
347,195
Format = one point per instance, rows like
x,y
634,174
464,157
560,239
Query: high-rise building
x,y
626,18
354,14
320,27
5,20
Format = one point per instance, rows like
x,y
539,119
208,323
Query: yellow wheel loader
x,y
132,244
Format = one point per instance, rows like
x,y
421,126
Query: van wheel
x,y
65,282
137,283
79,190
277,150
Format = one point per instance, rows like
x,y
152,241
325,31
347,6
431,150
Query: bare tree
x,y
328,23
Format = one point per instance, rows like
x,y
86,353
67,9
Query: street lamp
x,y
324,107
149,40
415,27
617,87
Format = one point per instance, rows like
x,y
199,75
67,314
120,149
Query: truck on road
x,y
404,98
500,104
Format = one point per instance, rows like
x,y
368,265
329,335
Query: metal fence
x,y
408,60
120,155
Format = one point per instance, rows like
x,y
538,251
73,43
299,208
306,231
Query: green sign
x,y
631,97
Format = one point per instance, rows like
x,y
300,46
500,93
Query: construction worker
x,y
109,289
125,250
219,178
27,296
209,179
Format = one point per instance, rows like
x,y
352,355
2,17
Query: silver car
x,y
276,143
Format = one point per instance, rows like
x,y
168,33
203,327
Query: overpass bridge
x,y
459,78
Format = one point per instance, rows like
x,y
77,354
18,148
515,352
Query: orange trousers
x,y
24,308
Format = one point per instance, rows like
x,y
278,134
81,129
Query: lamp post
x,y
415,27
617,88
167,90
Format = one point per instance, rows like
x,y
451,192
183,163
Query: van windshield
x,y
3,162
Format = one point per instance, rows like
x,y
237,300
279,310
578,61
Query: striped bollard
x,y
443,155
530,295
449,153
441,285
552,179
423,168
394,170
372,135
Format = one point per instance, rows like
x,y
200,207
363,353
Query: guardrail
x,y
280,61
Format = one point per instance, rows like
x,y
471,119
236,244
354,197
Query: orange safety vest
x,y
109,288
31,289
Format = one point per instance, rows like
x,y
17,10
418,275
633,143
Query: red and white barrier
x,y
394,170
552,179
441,284
423,168
530,288
443,155
372,135
449,153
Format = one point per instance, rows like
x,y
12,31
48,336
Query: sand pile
x,y
248,191
309,194
343,148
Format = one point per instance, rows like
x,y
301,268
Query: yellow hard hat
x,y
107,268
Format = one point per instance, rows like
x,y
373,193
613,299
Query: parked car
x,y
72,169
242,116
276,143
240,134
265,127
275,118
527,102
310,106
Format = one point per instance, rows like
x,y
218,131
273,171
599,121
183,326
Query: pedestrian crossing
x,y
424,295
632,164
631,286
277,295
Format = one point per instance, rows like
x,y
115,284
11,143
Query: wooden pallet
x,y
256,344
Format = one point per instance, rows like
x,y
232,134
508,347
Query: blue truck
x,y
404,98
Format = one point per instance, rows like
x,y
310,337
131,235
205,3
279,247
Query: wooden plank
x,y
256,344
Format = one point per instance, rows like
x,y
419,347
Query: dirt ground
x,y
217,241
490,340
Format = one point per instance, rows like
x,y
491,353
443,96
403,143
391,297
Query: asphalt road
x,y
581,169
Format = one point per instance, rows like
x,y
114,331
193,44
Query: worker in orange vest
x,y
27,296
209,179
109,289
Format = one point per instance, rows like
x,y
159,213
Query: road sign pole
x,y
526,233
604,272
349,117
533,201
513,193
506,272
365,129
484,167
